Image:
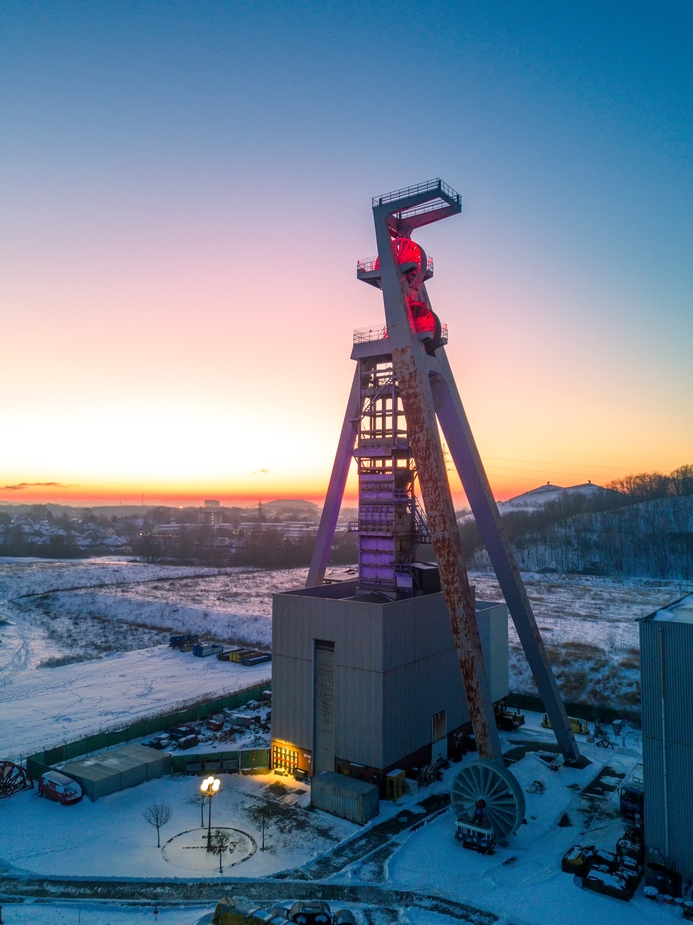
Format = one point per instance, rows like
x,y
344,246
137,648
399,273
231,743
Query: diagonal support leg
x,y
335,490
460,440
411,366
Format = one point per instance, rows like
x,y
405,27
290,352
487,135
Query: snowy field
x,y
43,708
55,614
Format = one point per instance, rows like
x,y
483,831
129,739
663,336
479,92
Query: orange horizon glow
x,y
152,495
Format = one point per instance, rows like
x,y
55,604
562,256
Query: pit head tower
x,y
403,388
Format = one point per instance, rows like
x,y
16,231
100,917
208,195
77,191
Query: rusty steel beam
x,y
411,368
460,440
335,489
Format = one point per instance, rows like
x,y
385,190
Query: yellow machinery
x,y
394,785
578,726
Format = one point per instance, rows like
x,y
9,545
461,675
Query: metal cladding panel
x,y
353,626
395,666
292,701
424,674
161,766
359,728
492,620
667,718
323,707
343,796
356,630
133,777
411,695
650,680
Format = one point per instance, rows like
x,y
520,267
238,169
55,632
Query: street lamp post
x,y
209,787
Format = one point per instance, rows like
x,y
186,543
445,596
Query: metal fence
x,y
40,762
243,759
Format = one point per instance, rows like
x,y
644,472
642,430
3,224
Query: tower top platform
x,y
414,206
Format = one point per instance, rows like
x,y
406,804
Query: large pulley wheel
x,y
13,779
492,787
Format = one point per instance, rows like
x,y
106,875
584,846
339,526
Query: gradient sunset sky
x,y
186,188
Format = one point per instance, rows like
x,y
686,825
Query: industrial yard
x,y
109,839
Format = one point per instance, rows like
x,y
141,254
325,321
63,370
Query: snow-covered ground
x,y
58,612
110,838
96,913
521,884
589,625
43,708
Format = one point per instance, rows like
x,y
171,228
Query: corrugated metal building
x,y
118,769
666,651
365,685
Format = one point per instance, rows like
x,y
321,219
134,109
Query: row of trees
x,y
640,525
263,549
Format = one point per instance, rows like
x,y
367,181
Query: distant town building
x,y
211,513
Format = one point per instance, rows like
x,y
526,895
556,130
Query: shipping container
x,y
257,658
188,742
236,655
203,650
347,797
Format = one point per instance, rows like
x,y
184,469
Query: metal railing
x,y
364,335
428,186
368,265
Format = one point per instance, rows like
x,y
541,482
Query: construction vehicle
x,y
184,642
475,836
577,726
506,719
313,912
632,800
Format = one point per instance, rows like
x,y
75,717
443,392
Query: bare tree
x,y
158,814
221,842
198,799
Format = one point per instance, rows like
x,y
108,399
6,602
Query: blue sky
x,y
186,188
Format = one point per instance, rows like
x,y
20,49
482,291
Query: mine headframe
x,y
403,387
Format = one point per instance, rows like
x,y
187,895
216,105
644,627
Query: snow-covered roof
x,y
536,498
679,612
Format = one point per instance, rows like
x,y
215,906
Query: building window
x,y
440,726
283,757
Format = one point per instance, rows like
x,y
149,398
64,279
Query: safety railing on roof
x,y
429,186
